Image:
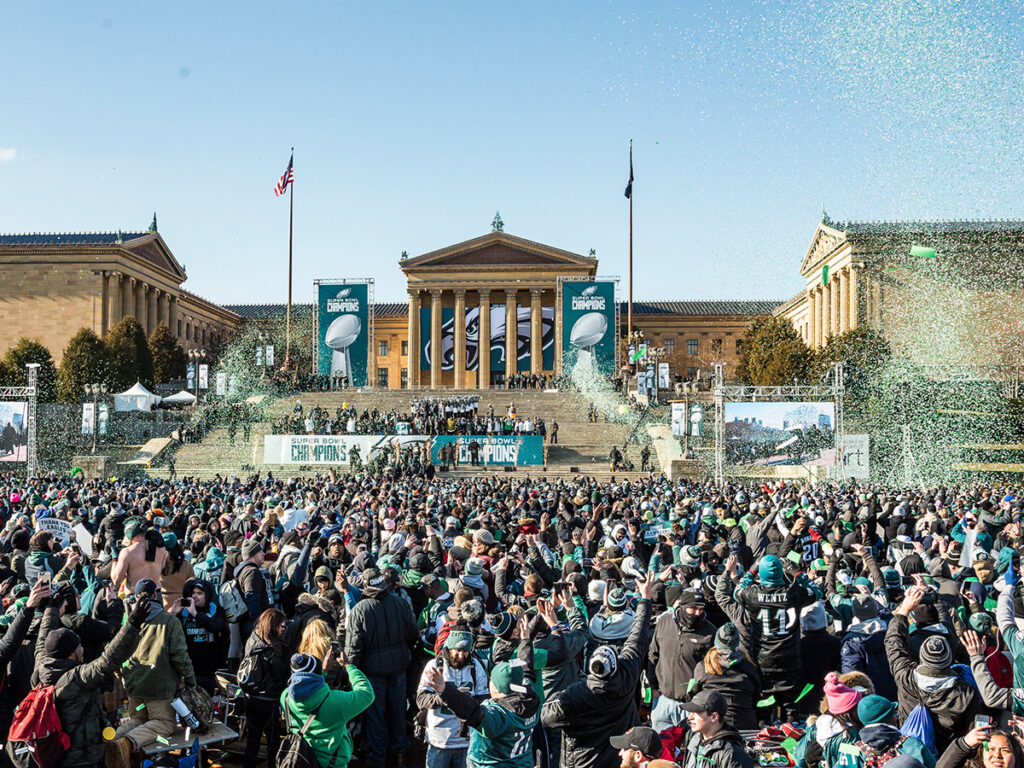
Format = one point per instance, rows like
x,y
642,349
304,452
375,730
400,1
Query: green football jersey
x,y
503,739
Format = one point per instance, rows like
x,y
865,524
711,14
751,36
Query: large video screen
x,y
13,431
780,434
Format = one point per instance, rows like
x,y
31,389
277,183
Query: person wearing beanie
x,y
774,636
931,682
880,740
78,687
380,636
682,637
727,670
500,727
863,646
602,705
254,583
611,625
329,712
444,732
826,656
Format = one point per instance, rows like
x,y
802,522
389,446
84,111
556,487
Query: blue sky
x,y
413,122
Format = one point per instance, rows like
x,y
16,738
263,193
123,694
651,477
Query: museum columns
x,y
483,379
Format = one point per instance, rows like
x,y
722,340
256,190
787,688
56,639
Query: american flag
x,y
287,178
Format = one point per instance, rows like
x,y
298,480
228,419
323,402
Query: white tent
x,y
180,398
137,398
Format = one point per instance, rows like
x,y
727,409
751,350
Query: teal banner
x,y
588,323
504,450
343,323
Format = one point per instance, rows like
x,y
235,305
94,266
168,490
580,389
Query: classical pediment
x,y
497,249
825,240
152,249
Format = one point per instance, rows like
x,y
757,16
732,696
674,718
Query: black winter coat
x,y
381,633
740,684
676,651
591,711
723,750
78,690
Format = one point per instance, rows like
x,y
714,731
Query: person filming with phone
x,y
205,626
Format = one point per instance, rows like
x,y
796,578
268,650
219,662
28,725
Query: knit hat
x,y
689,555
459,640
61,643
769,571
508,677
250,548
892,578
865,608
875,709
936,654
483,536
980,622
134,526
474,566
604,662
617,599
841,698
323,572
472,612
170,540
596,590
727,638
502,623
813,618
303,662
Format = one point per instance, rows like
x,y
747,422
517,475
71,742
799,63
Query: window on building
x,y
405,373
691,373
405,347
739,346
204,335
382,348
670,346
382,378
179,329
716,346
691,346
188,331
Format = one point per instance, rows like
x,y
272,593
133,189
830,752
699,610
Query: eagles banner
x,y
496,344
343,331
588,323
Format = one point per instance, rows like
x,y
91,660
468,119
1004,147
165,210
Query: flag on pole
x,y
285,180
629,184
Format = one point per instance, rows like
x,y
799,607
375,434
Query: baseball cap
x,y
707,701
640,738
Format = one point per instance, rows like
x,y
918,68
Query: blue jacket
x,y
863,650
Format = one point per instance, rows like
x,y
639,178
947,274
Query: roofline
x,y
497,237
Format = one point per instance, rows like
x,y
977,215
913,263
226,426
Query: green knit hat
x,y
508,677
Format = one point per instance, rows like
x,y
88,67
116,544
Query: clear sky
x,y
414,121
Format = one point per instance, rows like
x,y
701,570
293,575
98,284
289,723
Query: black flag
x,y
629,184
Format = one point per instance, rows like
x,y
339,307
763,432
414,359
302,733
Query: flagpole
x,y
288,310
629,309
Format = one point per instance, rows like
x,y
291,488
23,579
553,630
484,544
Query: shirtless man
x,y
131,562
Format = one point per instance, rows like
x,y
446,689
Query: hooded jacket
x,y
205,634
952,701
381,633
864,651
328,732
160,660
78,690
676,651
740,684
308,608
723,750
594,709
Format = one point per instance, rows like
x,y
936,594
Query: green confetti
x,y
807,689
920,250
689,685
789,745
849,749
140,707
770,701
162,740
794,557
824,274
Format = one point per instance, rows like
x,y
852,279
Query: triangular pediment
x,y
152,249
498,249
825,240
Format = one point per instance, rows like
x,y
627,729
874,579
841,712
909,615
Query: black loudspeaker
x,y
574,470
510,469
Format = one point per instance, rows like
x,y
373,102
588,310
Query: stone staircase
x,y
581,444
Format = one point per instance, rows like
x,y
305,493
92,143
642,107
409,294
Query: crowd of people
x,y
426,416
520,622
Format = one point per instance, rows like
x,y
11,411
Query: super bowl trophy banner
x,y
343,331
588,323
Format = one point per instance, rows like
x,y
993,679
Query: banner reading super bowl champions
x,y
343,331
588,323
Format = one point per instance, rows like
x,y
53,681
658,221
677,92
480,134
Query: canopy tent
x,y
137,398
180,398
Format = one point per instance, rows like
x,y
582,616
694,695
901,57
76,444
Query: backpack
x,y
295,751
919,725
230,598
37,736
253,674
